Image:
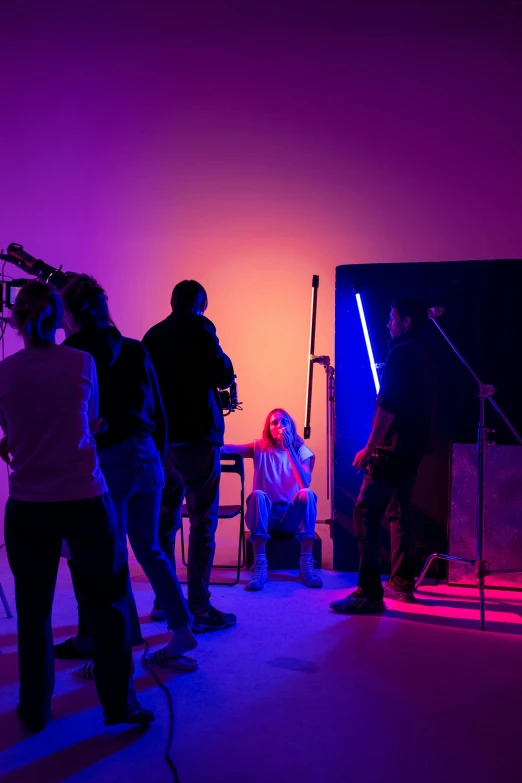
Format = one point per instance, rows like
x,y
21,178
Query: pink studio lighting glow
x,y
368,342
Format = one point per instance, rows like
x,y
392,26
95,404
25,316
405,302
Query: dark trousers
x,y
192,473
33,537
387,488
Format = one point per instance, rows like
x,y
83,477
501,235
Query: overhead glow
x,y
368,342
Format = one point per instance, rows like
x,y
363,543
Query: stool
x,y
283,552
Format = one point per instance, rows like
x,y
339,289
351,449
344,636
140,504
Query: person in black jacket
x,y
191,367
402,433
131,448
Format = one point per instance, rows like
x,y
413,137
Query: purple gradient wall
x,y
251,145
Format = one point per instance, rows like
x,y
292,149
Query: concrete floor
x,y
294,692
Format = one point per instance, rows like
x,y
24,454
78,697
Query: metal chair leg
x,y
5,602
241,556
182,536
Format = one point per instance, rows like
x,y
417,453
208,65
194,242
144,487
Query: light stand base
x,y
481,571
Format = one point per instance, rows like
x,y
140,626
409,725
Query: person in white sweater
x,y
281,500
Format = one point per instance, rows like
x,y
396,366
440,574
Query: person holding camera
x,y
402,433
48,396
131,448
191,368
281,500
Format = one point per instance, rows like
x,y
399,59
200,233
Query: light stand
x,y
325,362
485,392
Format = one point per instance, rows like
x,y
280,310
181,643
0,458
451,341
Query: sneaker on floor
x,y
357,593
260,575
308,574
31,723
137,717
404,596
68,650
358,603
86,672
212,620
158,615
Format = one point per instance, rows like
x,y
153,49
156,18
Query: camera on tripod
x,y
229,399
56,277
31,266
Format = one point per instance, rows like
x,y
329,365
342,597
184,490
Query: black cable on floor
x,y
168,757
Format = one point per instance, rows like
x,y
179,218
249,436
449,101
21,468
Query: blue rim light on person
x,y
368,342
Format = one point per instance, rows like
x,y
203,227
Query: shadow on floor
x,y
64,763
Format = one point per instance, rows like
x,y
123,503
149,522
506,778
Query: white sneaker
x,y
260,575
307,572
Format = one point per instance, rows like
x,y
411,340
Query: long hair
x,y
268,441
37,312
86,301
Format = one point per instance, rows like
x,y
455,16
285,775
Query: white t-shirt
x,y
47,396
273,472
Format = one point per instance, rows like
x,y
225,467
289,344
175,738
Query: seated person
x,y
281,501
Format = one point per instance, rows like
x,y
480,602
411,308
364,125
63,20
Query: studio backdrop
x,y
481,300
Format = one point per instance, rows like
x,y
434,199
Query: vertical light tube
x,y
368,342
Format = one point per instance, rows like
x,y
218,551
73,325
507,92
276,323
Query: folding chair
x,y
230,463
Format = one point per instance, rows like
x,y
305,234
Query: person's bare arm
x,y
302,470
243,449
381,424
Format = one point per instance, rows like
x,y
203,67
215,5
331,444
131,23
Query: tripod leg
x,y
5,602
482,608
481,574
424,571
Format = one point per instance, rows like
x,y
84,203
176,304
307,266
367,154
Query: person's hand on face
x,y
285,438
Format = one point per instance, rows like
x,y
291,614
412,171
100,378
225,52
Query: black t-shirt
x,y
130,401
190,367
408,391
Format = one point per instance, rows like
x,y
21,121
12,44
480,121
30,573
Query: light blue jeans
x,y
135,478
264,517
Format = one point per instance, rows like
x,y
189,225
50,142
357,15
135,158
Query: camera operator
x,y
191,367
48,395
402,433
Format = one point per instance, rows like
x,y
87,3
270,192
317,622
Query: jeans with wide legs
x,y
192,473
264,517
33,536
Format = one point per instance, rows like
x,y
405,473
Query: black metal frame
x,y
230,463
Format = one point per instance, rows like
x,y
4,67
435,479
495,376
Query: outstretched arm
x,y
243,449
